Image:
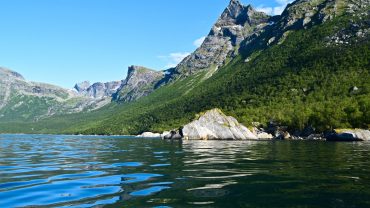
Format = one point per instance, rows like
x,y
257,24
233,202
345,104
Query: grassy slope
x,y
300,82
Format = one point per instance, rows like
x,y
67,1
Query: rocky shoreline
x,y
215,125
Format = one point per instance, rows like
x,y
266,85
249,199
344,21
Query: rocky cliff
x,y
235,24
304,14
98,90
140,82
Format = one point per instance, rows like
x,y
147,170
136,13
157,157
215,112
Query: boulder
x,y
215,125
149,135
174,135
262,134
277,131
348,135
165,133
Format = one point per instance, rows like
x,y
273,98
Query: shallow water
x,y
75,171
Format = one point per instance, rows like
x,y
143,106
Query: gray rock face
x,y
214,125
98,90
140,82
303,14
235,24
83,86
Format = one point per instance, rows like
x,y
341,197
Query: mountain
x,y
22,100
140,82
235,24
308,67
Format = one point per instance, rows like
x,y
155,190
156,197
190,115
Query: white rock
x,y
361,134
149,135
261,134
214,125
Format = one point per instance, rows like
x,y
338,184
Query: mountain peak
x,y
233,10
236,23
140,82
238,14
138,69
234,3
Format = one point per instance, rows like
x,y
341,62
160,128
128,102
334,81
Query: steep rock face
x,y
83,86
303,14
140,82
98,90
306,13
214,125
235,24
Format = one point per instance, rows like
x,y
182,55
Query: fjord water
x,y
76,171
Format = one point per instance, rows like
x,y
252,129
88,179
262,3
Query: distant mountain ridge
x,y
17,95
21,99
98,90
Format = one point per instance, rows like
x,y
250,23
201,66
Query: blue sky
x,y
67,41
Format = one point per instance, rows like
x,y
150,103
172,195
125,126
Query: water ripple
x,y
76,171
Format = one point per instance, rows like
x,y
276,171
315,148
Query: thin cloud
x,y
198,42
173,59
274,10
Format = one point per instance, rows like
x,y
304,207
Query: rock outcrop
x,y
235,24
215,125
140,82
303,14
82,87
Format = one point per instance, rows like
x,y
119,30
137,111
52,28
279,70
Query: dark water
x,y
61,171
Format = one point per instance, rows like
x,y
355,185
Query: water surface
x,y
77,171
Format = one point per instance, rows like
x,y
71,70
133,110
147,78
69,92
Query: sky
x,y
64,42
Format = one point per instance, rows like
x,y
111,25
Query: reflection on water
x,y
75,171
